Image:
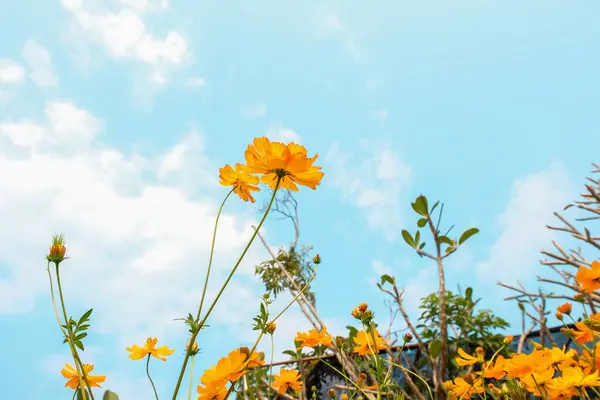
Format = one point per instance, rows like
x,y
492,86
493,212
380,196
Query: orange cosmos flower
x,y
565,308
74,381
212,392
287,378
137,353
582,333
589,278
364,341
276,160
313,338
243,183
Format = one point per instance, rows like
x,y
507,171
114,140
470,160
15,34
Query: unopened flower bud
x,y
313,389
317,259
593,324
344,396
339,341
57,250
469,378
332,393
559,315
361,379
194,350
270,329
363,307
579,297
508,339
408,337
245,350
356,313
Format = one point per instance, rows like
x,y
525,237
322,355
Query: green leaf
x,y
408,238
422,222
446,240
386,278
521,306
417,238
290,353
467,234
434,206
420,205
85,316
421,246
108,395
80,336
80,345
435,347
469,293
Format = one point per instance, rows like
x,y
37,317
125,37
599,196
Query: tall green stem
x,y
191,379
78,363
148,373
212,251
212,306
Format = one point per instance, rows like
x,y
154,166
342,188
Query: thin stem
x,y
414,374
212,251
78,363
191,378
150,378
212,306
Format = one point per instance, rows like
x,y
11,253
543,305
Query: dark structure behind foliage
x,y
324,378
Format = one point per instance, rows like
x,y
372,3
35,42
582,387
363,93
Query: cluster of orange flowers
x,y
550,373
278,165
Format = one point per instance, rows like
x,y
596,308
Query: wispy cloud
x,y
125,35
197,82
282,134
533,199
256,111
11,72
40,62
374,182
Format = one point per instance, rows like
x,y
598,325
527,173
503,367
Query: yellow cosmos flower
x,y
137,353
243,183
73,380
212,392
313,338
365,345
274,160
287,378
467,359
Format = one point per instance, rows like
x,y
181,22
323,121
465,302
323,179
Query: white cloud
x,y
376,183
515,254
195,82
125,35
330,25
131,232
379,268
257,111
146,5
40,63
11,72
281,134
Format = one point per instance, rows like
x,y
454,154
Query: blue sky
x,y
115,116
